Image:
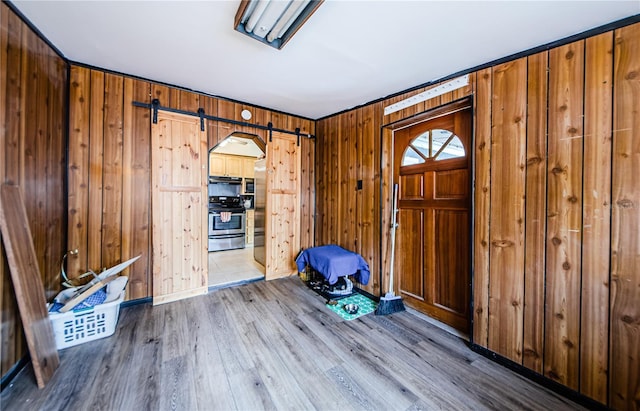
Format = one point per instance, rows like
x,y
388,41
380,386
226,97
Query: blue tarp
x,y
333,261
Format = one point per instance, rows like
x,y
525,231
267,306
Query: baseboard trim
x,y
235,283
13,371
540,379
137,301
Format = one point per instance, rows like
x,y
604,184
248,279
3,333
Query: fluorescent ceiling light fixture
x,y
426,95
273,22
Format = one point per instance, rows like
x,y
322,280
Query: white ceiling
x,y
348,53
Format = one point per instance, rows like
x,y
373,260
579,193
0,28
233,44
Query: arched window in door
x,y
433,145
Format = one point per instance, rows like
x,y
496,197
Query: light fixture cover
x,y
426,95
273,22
245,114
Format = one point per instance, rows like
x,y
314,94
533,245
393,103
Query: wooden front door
x,y
179,207
432,261
282,231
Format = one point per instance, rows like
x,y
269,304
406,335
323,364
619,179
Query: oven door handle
x,y
217,214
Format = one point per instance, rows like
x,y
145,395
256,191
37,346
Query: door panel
x,y
412,187
450,290
282,228
432,255
411,282
451,184
179,208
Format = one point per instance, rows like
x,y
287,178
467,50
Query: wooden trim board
x,y
86,292
180,295
27,284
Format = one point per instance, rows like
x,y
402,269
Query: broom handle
x,y
394,225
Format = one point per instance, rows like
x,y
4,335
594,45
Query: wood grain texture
x,y
179,180
349,184
33,84
369,208
320,167
210,106
5,294
56,168
96,171
307,192
27,283
596,224
411,235
282,228
78,194
482,205
13,157
226,109
111,228
386,207
216,352
35,195
624,391
334,180
536,215
506,239
136,165
564,221
343,216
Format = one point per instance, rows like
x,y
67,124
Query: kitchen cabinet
x,y
225,165
248,165
249,227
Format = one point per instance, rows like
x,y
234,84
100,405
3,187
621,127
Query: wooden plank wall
x,y
556,216
506,237
624,366
109,166
33,83
345,215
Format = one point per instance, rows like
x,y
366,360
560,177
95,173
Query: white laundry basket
x,y
77,327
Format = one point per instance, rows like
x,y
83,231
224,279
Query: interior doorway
x,y
432,167
232,209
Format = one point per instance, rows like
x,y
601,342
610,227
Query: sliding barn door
x,y
283,205
179,209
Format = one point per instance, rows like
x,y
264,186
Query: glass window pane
x,y
410,157
421,144
436,144
440,137
454,149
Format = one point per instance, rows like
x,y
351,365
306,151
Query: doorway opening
x,y
236,211
432,168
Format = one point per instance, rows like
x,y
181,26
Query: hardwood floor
x,y
274,345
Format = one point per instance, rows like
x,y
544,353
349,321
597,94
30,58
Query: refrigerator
x,y
260,203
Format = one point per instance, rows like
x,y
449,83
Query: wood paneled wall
x,y
109,166
348,151
556,284
33,84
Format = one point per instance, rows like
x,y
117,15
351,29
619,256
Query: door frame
x,y
386,187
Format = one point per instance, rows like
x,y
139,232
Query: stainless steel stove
x,y
227,223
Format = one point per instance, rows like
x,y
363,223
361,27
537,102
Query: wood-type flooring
x,y
274,345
